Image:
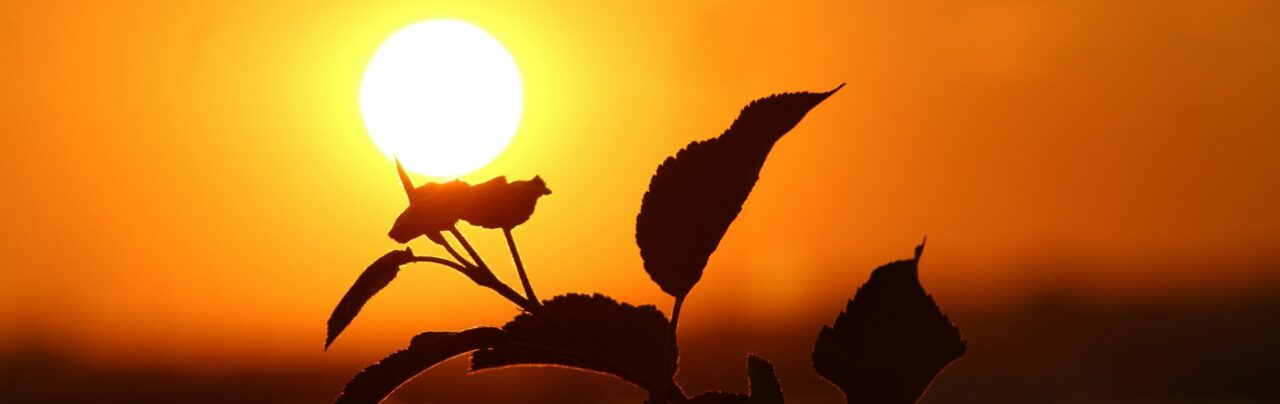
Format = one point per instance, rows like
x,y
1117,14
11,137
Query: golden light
x,y
443,96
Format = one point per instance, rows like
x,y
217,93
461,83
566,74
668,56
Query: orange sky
x,y
193,181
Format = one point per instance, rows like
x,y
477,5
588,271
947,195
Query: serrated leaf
x,y
694,196
377,276
764,386
428,349
890,341
630,336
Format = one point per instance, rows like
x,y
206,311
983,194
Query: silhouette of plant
x,y
885,347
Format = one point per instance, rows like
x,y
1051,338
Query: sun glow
x,y
443,96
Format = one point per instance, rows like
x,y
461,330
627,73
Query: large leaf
x,y
890,341
377,276
695,195
631,337
378,381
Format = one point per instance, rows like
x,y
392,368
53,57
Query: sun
x,y
443,96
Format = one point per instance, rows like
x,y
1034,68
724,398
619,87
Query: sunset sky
x,y
190,185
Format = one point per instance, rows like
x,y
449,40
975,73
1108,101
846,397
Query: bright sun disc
x,y
443,96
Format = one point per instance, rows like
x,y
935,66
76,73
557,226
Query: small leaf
x,y
631,336
377,276
764,386
719,397
694,196
499,205
428,349
890,341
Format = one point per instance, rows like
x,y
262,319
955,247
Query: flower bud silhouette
x,y
496,204
433,208
436,207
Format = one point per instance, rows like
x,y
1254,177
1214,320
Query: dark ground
x,y
1051,350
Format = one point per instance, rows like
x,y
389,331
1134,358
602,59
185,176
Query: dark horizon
x,y
1060,349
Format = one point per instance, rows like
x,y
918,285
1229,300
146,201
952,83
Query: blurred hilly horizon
x,y
1051,346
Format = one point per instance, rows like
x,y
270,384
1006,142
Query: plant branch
x,y
524,278
437,260
467,246
480,277
510,294
449,247
668,373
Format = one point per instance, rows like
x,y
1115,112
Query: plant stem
x,y
442,261
449,247
524,278
510,294
667,375
483,276
477,275
467,246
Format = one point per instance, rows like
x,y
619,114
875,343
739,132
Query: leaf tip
x,y
920,248
404,179
823,96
